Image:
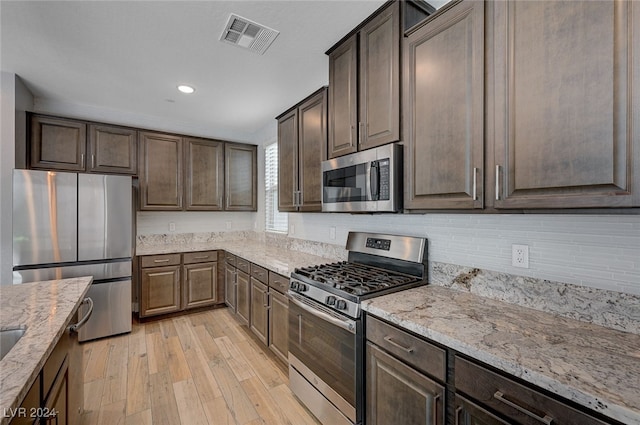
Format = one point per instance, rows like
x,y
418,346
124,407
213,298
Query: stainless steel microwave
x,y
366,181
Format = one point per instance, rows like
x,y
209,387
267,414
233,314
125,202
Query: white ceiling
x,y
120,61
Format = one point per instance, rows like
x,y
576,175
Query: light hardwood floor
x,y
201,368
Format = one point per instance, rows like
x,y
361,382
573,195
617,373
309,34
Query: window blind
x,y
275,221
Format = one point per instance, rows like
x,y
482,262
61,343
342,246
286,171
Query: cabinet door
x,y
279,325
243,297
241,177
343,100
444,110
287,160
259,310
204,175
312,145
230,287
379,79
161,172
200,284
113,150
56,404
398,394
468,413
566,118
57,144
160,290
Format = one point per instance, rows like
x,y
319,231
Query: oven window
x,y
345,184
326,349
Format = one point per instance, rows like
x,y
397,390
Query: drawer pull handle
x,y
400,346
161,261
545,420
201,257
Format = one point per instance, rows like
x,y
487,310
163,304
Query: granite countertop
x,y
596,367
279,260
44,308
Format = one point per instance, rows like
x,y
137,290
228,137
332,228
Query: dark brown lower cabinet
x,y
399,394
200,285
260,310
468,413
57,394
230,286
243,297
517,403
279,324
160,290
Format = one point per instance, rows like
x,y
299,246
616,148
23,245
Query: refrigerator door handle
x,y
81,322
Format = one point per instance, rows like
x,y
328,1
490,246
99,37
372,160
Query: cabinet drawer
x,y
410,349
242,264
200,257
517,402
229,258
278,282
160,260
260,273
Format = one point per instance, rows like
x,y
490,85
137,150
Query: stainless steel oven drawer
x,y
412,350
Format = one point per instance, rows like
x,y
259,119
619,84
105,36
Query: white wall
x,y
15,99
600,251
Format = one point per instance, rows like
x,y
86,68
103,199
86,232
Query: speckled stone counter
x,y
596,367
279,260
44,308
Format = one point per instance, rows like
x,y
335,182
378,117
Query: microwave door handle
x,y
374,181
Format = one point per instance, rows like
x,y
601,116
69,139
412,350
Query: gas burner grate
x,y
354,278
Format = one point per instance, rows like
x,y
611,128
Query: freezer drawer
x,y
99,271
111,310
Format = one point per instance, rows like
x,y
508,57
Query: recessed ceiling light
x,y
186,89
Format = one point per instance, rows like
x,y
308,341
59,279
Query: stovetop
x,y
353,278
377,265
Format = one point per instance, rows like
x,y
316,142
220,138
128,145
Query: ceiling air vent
x,y
247,34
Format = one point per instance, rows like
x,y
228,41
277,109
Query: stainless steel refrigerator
x,y
70,225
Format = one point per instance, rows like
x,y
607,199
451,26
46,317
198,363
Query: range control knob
x,y
294,286
341,305
331,300
302,287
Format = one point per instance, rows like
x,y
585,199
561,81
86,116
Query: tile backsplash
x,y
596,251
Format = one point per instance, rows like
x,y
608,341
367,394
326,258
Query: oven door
x,y
323,347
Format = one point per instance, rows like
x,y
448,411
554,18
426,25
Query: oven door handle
x,y
347,325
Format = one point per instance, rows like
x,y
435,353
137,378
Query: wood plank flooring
x,y
201,368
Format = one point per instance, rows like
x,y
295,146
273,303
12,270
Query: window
x,y
275,220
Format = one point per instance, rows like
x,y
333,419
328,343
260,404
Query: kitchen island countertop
x,y
596,367
280,260
44,308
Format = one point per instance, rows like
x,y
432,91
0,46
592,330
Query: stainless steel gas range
x,y
326,335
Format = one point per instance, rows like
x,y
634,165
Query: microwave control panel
x,y
384,179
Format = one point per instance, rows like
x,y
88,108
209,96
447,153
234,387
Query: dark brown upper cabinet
x,y
364,85
241,177
302,141
563,104
443,104
113,150
70,145
160,172
204,174
57,144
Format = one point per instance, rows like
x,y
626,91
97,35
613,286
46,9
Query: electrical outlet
x,y
172,226
520,256
332,232
292,229
229,225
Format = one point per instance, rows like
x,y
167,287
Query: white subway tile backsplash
x,y
599,251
